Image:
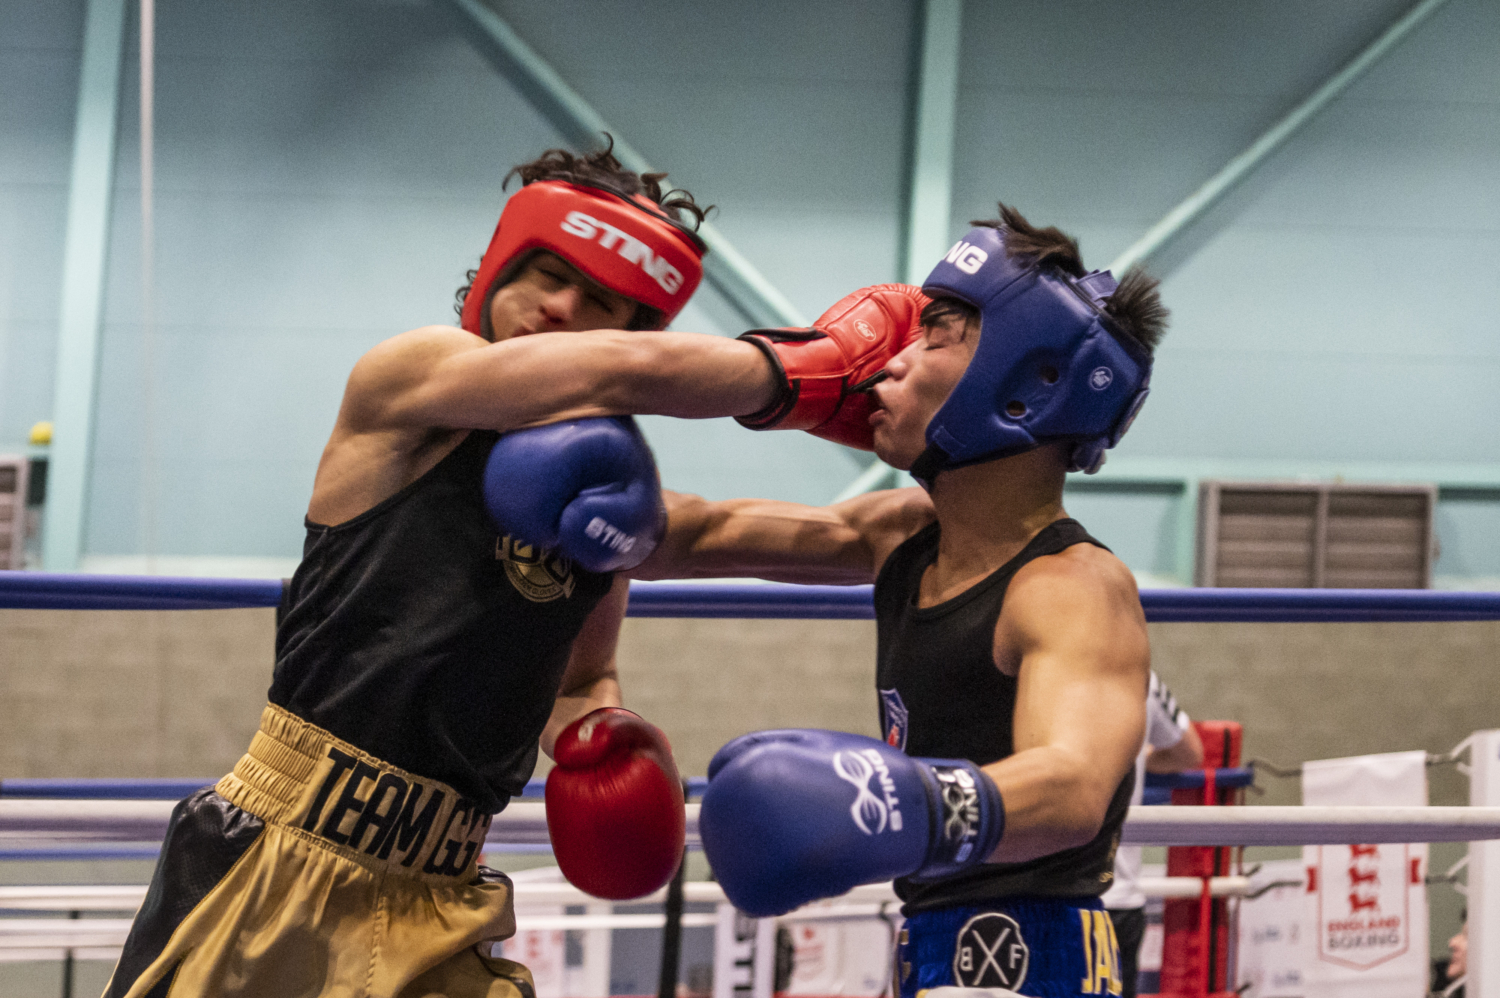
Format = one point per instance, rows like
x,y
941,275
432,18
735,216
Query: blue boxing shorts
x,y
1048,947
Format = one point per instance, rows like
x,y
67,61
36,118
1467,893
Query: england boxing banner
x,y
1366,905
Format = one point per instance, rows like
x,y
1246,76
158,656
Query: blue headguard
x,y
1050,364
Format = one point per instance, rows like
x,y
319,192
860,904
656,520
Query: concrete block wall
x,y
179,693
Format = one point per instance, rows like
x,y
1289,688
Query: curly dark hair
x,y
1135,306
600,169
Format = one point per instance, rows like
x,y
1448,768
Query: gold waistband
x,y
300,776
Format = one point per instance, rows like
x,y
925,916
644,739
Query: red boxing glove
x,y
614,805
826,371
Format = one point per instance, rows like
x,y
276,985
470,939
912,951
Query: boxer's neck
x,y
988,512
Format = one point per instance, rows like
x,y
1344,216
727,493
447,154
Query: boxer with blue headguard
x,y
1011,647
1052,363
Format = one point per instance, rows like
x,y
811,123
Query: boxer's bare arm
x,y
440,376
1072,625
1186,754
590,680
412,398
842,544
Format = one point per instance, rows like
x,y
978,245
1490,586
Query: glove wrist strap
x,y
785,397
968,818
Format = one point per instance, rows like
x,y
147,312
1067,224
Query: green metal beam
x,y
929,169
929,195
1236,170
583,127
85,251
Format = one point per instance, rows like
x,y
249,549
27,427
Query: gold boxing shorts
x,y
316,869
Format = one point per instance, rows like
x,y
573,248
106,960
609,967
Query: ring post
x,y
1484,872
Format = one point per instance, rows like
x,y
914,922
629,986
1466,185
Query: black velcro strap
x,y
868,383
785,398
786,334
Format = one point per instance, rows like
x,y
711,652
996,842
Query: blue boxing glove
x,y
796,815
586,488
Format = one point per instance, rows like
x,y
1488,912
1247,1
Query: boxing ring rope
x,y
175,788
72,591
533,903
524,823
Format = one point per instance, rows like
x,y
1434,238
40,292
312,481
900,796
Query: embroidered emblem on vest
x,y
893,718
540,576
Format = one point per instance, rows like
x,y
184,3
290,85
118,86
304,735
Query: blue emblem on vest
x,y
893,719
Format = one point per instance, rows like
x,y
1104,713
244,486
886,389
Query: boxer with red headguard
x,y
458,602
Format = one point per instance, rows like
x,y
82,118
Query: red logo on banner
x,y
1364,912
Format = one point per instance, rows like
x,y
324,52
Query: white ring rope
x,y
1307,826
867,901
29,822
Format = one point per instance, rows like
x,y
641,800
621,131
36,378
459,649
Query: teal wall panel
x,y
327,172
40,46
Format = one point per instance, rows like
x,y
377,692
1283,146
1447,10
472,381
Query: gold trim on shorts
x,y
343,799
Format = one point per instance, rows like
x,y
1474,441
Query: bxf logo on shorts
x,y
990,953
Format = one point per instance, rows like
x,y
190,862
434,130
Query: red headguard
x,y
628,245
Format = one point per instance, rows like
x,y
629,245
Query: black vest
x,y
942,696
418,633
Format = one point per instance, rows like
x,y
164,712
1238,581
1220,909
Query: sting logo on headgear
x,y
1051,365
990,953
632,249
856,769
630,245
966,257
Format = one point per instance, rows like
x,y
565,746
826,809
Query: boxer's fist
x,y
587,488
826,372
614,805
796,815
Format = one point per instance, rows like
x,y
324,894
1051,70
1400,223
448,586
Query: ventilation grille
x,y
12,511
1305,535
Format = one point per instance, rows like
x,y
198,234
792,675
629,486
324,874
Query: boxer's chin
x,y
891,450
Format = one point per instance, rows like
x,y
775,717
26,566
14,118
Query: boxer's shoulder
x,y
406,358
1082,584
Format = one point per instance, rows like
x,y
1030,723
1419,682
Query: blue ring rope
x,y
176,788
1192,779
171,788
59,591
